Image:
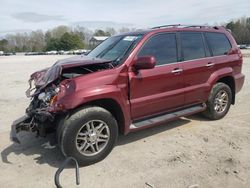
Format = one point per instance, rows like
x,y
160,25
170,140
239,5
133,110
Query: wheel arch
x,y
229,80
224,75
112,106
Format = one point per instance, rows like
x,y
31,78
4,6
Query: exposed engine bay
x,y
79,71
45,87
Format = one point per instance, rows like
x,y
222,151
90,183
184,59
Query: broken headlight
x,y
47,95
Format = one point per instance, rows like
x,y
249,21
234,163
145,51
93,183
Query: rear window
x,y
192,46
218,43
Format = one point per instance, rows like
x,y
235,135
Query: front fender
x,y
88,95
108,91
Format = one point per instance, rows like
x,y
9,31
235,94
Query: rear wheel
x,y
219,101
88,135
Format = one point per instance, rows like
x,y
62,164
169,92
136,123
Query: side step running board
x,y
167,117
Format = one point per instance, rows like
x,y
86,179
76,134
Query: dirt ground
x,y
189,152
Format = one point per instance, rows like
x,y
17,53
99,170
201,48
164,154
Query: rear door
x,y
198,65
157,90
220,48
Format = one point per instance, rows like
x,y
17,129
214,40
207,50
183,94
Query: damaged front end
x,y
47,89
40,114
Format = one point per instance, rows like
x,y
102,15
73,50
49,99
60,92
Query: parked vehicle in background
x,y
53,52
7,53
242,46
86,52
248,46
79,52
131,82
60,52
34,53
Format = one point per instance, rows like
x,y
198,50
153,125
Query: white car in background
x,y
51,52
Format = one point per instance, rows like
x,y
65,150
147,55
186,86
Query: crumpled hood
x,y
79,60
46,76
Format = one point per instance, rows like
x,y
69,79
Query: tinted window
x,y
115,48
192,46
162,47
219,43
120,48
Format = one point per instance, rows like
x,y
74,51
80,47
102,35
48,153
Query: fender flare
x,y
227,71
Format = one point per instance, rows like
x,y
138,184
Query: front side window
x,y
162,46
192,46
218,43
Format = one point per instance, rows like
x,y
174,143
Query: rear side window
x,y
218,43
192,46
162,46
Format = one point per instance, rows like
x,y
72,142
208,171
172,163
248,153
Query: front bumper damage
x,y
21,124
47,88
37,121
17,126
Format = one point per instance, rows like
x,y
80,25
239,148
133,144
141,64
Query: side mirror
x,y
146,62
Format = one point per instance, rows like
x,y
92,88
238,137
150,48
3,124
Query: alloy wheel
x,y
92,137
221,101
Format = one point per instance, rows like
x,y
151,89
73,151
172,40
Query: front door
x,y
157,90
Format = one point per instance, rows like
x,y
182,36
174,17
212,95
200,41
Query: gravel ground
x,y
189,152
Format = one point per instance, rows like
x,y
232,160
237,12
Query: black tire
x,y
210,112
69,128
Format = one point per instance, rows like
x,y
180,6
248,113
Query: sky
x,y
24,15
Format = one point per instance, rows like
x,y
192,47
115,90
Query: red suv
x,y
130,82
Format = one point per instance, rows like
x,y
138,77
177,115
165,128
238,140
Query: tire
x,y
216,109
88,135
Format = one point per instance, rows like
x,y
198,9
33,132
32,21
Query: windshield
x,y
115,48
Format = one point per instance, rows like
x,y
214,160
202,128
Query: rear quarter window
x,y
218,43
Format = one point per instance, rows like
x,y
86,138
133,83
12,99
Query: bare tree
x,y
59,31
111,31
240,29
37,40
124,30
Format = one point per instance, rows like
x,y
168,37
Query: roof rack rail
x,y
163,26
201,26
185,26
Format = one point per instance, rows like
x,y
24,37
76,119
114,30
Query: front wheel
x,y
219,101
88,135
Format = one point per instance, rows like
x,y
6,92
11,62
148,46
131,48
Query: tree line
x,y
66,38
240,29
59,38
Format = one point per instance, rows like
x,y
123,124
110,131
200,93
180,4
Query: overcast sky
x,y
24,15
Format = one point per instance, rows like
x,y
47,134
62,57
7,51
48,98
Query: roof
x,y
178,27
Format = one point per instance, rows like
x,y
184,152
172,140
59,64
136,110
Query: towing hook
x,y
61,168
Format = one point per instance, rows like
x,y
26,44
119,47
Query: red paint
x,y
148,92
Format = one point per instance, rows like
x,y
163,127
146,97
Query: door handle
x,y
210,64
176,70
